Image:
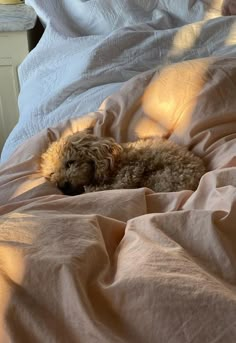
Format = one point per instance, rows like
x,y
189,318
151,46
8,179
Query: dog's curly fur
x,y
83,162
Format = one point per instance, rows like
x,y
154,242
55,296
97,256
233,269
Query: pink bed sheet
x,y
128,265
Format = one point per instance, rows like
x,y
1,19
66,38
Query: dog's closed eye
x,y
69,163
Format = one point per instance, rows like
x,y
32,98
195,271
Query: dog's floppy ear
x,y
104,152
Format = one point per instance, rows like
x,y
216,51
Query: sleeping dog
x,y
84,162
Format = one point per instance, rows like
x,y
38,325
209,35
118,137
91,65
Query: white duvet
x,y
90,48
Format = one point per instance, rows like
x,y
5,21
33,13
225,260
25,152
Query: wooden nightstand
x,y
16,21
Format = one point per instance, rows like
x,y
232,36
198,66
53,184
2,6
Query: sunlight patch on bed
x,y
12,262
28,185
17,215
214,10
12,268
231,39
172,96
147,127
185,39
14,237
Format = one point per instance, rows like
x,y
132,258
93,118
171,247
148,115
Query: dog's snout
x,y
65,187
68,189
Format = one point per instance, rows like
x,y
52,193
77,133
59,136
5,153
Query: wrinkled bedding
x,y
130,265
90,48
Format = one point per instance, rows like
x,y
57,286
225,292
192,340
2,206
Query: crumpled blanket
x,y
128,265
90,48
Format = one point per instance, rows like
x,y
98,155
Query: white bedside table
x,y
15,23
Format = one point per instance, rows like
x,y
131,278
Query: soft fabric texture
x,y
90,48
128,265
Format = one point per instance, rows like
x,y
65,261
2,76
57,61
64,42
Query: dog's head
x,y
79,160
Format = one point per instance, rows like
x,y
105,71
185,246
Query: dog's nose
x,y
65,187
68,189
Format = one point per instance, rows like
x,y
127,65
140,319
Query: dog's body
x,y
84,163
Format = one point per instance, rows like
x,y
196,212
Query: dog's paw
x,y
228,7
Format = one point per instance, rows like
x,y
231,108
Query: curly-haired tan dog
x,y
83,163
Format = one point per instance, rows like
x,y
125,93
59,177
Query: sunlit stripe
x,y
27,186
231,39
185,39
171,98
214,10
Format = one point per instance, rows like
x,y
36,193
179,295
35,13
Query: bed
x,y
123,265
